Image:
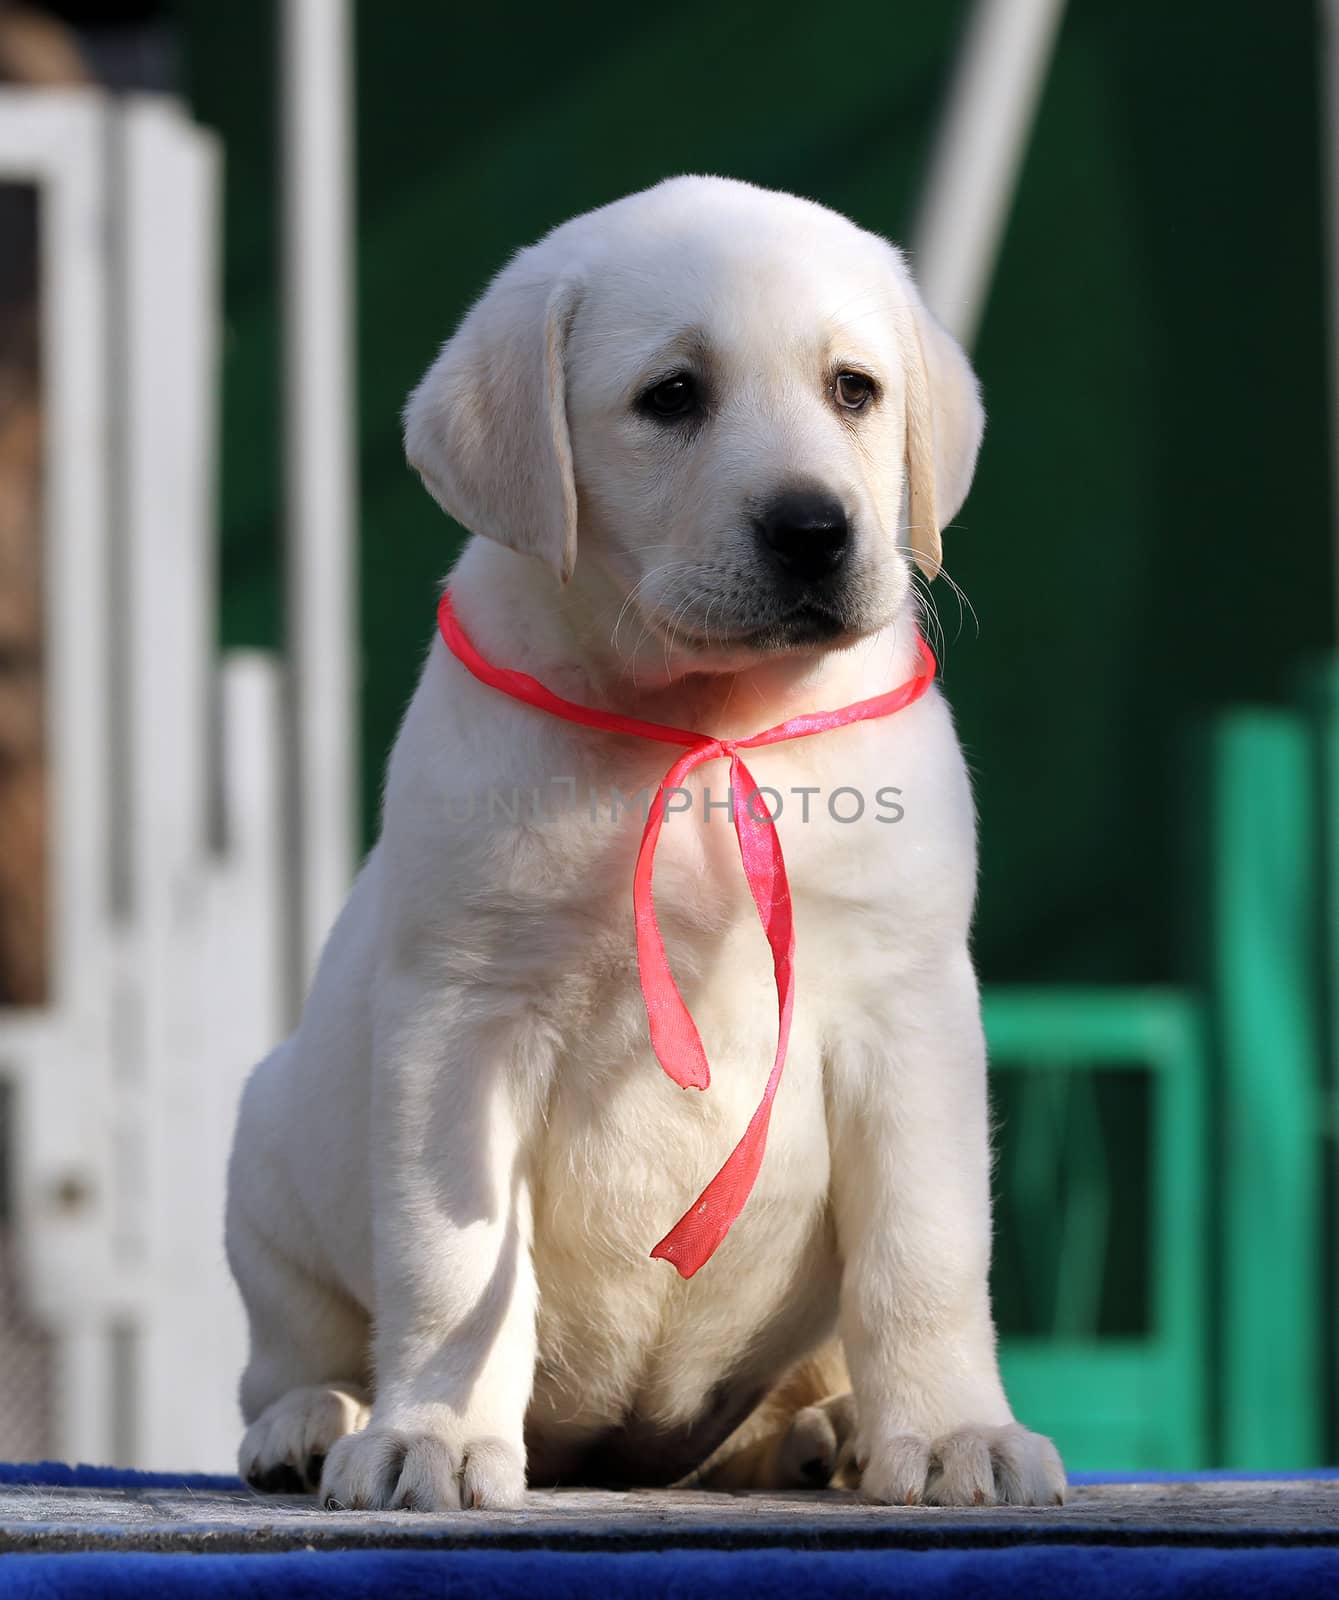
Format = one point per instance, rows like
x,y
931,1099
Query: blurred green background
x,y
1147,550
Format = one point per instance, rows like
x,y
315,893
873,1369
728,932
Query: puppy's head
x,y
725,411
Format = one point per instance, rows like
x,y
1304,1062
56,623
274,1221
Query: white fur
x,y
468,1144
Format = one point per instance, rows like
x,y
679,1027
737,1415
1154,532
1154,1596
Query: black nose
x,y
806,532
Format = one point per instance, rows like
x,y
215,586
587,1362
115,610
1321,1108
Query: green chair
x,y
1074,1072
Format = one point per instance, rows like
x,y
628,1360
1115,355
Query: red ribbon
x,y
674,1036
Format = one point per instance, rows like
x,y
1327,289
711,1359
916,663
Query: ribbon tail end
x,y
686,1066
665,1251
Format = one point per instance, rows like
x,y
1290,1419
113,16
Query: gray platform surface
x,y
35,1518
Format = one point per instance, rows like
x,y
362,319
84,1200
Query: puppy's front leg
x,y
911,1196
455,1286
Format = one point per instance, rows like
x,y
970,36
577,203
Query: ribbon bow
x,y
674,1036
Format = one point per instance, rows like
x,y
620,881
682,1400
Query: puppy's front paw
x,y
973,1466
285,1448
387,1469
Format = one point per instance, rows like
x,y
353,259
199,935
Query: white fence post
x,y
977,152
320,472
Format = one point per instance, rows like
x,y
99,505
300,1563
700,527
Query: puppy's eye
x,y
853,390
671,398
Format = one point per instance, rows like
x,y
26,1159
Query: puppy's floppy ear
x,y
945,420
486,429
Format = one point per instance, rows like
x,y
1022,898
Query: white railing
x,y
164,766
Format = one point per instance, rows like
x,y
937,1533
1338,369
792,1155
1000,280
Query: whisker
x,y
664,567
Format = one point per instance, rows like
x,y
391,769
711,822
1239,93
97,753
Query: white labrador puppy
x,y
702,433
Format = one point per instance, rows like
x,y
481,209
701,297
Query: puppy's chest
x,y
626,1150
584,951
840,843
560,916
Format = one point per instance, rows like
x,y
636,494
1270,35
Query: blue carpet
x,y
60,1475
1274,1567
1029,1574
